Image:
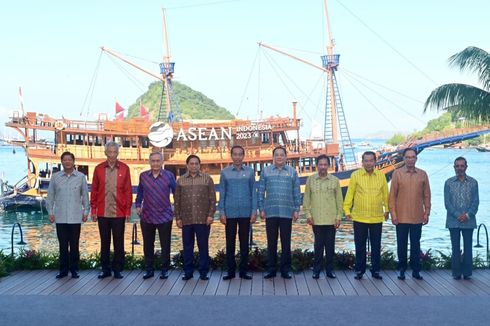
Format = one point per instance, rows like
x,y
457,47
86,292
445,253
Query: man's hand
x,y
222,219
394,220
310,221
295,216
349,217
94,217
138,211
387,216
337,224
209,220
128,218
262,215
463,218
425,218
179,224
253,218
84,218
52,218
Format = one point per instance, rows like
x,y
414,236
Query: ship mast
x,y
167,71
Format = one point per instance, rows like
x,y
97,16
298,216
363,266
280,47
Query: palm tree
x,y
463,100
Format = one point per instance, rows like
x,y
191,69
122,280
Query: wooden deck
x,y
435,283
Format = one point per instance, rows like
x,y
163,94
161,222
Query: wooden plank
x,y
14,278
324,285
189,286
234,287
178,286
357,284
468,284
126,281
312,284
443,291
279,286
290,285
26,279
380,286
257,283
222,288
173,277
426,286
444,282
245,287
388,282
370,285
201,286
100,285
416,286
213,282
33,281
457,284
85,278
335,286
345,283
482,274
145,286
301,285
47,281
38,284
268,286
135,284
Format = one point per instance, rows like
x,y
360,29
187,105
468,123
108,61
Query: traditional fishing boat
x,y
176,139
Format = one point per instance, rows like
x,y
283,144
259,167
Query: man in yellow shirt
x,y
322,205
366,203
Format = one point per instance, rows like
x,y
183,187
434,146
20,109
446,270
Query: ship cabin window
x,y
212,143
78,139
265,138
83,169
222,143
145,142
203,144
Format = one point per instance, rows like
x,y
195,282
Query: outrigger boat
x,y
176,139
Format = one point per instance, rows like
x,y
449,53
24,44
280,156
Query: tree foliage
x,y
188,104
396,140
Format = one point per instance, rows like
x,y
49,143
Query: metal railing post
x,y
21,242
478,245
134,238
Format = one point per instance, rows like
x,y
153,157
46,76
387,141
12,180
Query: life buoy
x,y
59,125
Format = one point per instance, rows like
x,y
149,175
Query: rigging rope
x,y
90,92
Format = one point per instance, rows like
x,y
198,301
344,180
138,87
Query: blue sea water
x,y
40,234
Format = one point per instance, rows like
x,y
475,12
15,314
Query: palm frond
x,y
464,100
475,60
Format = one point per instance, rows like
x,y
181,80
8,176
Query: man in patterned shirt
x,y
461,200
279,202
155,211
195,204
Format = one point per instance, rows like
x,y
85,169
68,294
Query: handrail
x,y
21,242
134,238
478,245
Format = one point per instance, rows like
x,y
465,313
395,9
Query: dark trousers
x,y
114,226
164,233
363,231
324,240
68,238
465,267
201,233
403,230
274,226
243,224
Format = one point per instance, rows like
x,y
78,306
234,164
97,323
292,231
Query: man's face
x,y
460,168
111,153
68,162
322,166
193,166
368,162
156,162
410,158
280,157
237,156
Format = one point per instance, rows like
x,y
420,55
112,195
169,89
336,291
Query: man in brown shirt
x,y
195,204
410,208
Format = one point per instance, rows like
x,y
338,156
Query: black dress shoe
x,y
245,276
204,277
417,276
186,277
400,275
358,276
270,275
164,275
228,277
376,276
457,277
316,275
118,275
75,274
147,275
104,275
331,275
61,275
287,276
467,277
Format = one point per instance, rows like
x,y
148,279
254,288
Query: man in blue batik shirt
x,y
238,207
279,202
461,201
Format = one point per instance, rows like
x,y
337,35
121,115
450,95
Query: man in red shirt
x,y
110,201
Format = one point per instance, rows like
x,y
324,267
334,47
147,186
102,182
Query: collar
x,y
73,173
106,164
364,172
242,167
317,176
150,173
284,167
455,178
188,175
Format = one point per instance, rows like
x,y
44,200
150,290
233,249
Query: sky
x,y
393,54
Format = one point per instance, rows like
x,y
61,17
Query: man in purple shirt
x,y
155,211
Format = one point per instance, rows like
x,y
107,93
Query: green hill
x,y
191,104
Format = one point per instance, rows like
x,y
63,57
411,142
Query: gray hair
x,y
156,153
112,144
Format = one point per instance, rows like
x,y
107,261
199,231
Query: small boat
x,y
483,148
